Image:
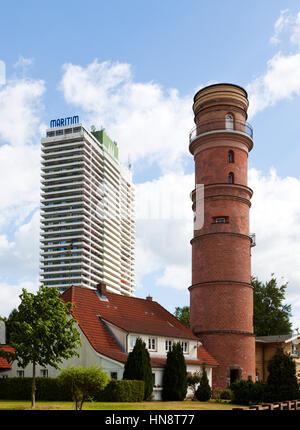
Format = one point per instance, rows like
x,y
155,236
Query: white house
x,y
109,325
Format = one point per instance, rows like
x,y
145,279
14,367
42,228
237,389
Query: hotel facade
x,y
87,211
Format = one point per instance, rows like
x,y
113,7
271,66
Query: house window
x,y
44,373
114,375
153,379
20,373
132,341
230,157
295,350
169,344
220,220
229,122
230,178
185,347
152,344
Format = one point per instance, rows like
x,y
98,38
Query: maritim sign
x,y
61,122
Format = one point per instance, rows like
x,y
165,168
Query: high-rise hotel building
x,y
87,211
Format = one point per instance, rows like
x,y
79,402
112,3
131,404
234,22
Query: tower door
x,y
235,375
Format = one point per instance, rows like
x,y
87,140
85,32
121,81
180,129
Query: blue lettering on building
x,y
61,122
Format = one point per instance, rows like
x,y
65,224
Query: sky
x,y
133,68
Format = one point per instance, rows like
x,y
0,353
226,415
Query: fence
x,y
289,405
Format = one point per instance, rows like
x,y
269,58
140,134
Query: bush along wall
x,y
121,391
50,389
20,389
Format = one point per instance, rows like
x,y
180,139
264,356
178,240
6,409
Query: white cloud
x,y
20,105
10,295
145,119
164,229
280,25
275,218
281,80
2,73
23,62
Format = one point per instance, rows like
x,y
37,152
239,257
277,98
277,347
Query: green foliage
x,y
270,315
193,380
226,394
83,382
203,392
247,392
42,332
138,367
47,389
121,391
175,376
183,314
282,380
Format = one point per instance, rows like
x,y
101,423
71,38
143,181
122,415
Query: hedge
x,y
121,390
50,389
20,389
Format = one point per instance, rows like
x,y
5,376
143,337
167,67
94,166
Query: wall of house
x,y
87,357
265,351
160,350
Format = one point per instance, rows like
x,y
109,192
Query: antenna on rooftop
x,y
129,162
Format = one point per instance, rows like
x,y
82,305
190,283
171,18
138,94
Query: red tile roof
x,y
3,361
131,314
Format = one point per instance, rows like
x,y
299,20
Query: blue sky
x,y
134,67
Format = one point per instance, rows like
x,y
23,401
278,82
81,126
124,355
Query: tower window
x,y
230,157
229,122
231,178
220,220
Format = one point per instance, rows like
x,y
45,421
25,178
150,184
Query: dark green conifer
x,y
175,375
138,367
203,392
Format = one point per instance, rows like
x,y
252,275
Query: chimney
x,y
101,288
149,298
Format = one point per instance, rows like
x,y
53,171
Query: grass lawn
x,y
186,405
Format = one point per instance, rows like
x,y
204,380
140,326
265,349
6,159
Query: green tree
x,y
138,367
175,375
183,314
43,332
83,382
203,392
282,381
270,314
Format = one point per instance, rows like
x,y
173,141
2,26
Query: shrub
x,y
226,394
83,382
203,392
175,376
282,380
121,391
247,392
20,389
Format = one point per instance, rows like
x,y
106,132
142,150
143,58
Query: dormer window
x,y
229,122
231,178
230,157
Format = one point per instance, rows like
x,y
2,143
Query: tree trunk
x,y
33,386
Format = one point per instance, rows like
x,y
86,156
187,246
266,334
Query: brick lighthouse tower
x,y
221,295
